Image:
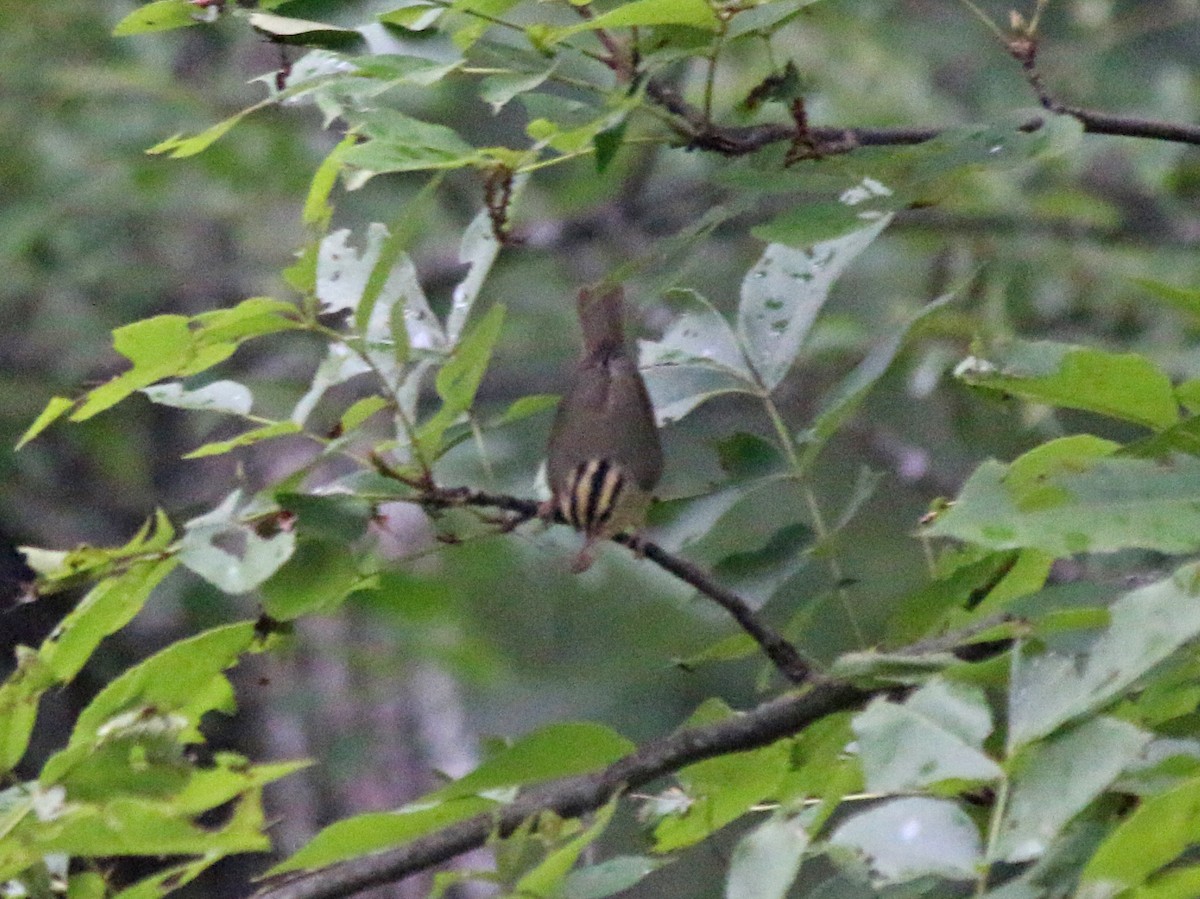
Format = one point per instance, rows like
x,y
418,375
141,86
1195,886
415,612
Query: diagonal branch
x,y
782,653
574,796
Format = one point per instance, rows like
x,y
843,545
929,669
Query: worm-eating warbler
x,y
604,456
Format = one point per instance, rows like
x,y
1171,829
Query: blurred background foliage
x,y
495,636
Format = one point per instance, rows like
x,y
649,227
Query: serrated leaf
x,y
783,292
1121,385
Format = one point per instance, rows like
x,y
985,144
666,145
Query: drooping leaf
x,y
55,409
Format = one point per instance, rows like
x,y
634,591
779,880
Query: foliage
x,y
1062,757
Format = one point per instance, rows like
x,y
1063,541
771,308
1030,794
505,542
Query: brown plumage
x,y
604,456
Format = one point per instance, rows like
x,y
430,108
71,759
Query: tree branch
x,y
782,653
574,796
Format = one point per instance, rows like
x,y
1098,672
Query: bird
x,y
604,456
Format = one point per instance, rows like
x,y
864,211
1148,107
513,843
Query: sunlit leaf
x,y
160,15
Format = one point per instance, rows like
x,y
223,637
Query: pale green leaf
x,y
609,877
904,839
933,736
224,549
766,860
286,30
1058,778
545,879
783,292
1078,502
219,396
1051,688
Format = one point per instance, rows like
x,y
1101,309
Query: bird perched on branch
x,y
604,456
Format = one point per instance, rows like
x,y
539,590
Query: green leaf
x,y
558,750
395,142
318,576
526,407
246,438
1182,298
692,13
376,831
19,697
1057,779
284,30
317,208
416,17
766,860
228,552
458,380
904,839
719,791
1121,385
609,877
184,679
54,410
498,90
783,292
1066,497
1147,625
1157,832
161,15
851,392
545,880
107,608
360,411
935,735
142,827
179,147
